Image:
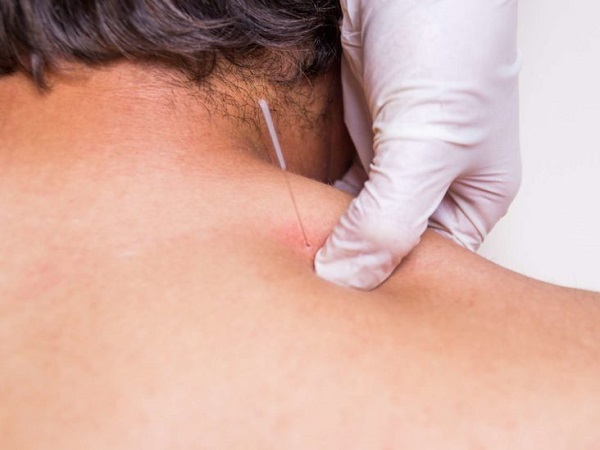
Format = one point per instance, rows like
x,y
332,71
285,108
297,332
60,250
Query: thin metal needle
x,y
264,106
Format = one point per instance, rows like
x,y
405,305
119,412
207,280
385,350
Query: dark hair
x,y
300,36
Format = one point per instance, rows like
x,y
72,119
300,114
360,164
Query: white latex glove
x,y
431,98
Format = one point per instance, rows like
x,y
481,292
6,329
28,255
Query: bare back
x,y
228,340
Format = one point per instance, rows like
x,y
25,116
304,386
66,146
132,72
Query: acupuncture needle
x,y
264,106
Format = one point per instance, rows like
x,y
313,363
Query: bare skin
x,y
155,292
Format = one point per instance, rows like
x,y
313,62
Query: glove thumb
x,y
385,222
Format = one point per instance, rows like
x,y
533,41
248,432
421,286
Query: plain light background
x,y
552,231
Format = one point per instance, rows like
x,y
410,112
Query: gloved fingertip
x,y
366,253
354,271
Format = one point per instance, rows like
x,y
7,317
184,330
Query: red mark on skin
x,y
291,236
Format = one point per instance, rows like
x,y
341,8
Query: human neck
x,y
115,114
131,111
112,151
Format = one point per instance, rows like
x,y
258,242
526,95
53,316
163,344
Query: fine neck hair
x,y
143,105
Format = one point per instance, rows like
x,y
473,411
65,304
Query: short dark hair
x,y
191,36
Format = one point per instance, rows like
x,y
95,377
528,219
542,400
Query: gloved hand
x,y
431,97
